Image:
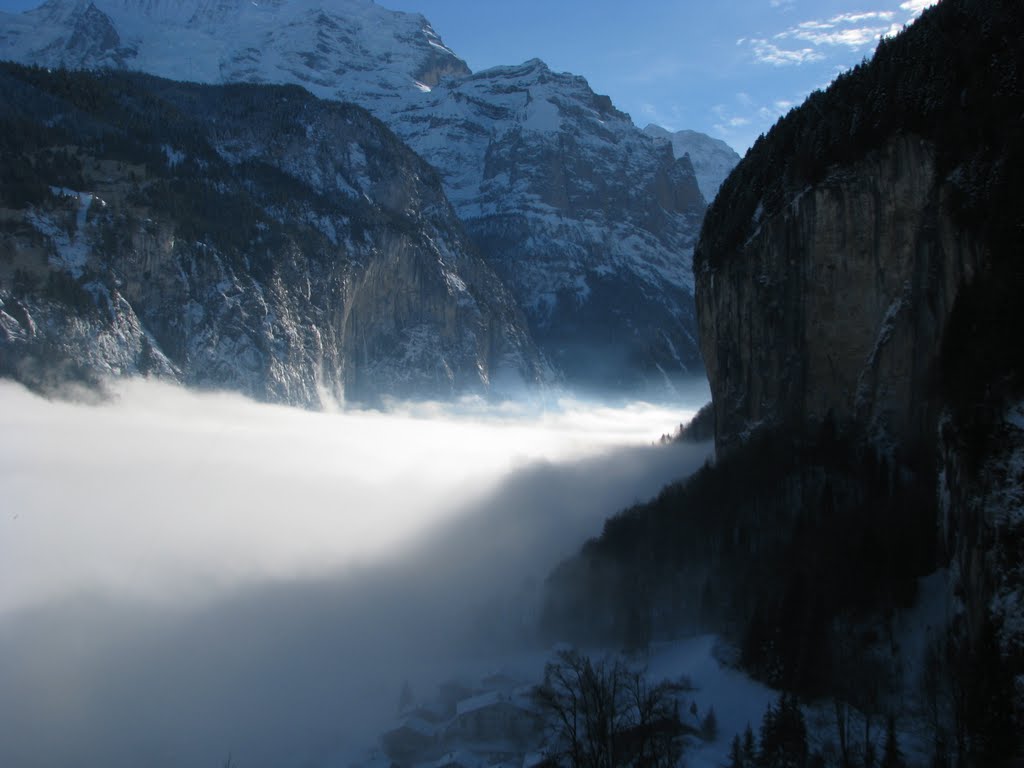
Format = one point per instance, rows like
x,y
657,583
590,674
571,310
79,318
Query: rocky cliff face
x,y
712,159
170,232
835,307
589,222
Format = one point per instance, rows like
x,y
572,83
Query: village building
x,y
412,741
497,716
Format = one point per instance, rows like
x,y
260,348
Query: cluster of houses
x,y
502,722
494,725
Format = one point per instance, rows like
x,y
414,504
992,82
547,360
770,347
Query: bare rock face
x,y
306,255
589,222
835,307
712,159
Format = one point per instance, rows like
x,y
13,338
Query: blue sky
x,y
727,68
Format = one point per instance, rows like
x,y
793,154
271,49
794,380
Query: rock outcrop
x,y
712,159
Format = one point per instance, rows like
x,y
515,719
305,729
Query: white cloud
x,y
807,25
916,6
218,473
846,29
854,18
769,53
857,37
184,576
853,30
856,31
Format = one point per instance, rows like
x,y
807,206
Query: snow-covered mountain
x,y
245,237
341,49
590,222
712,159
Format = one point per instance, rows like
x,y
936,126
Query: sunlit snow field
x,y
184,576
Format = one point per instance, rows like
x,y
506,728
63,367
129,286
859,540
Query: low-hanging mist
x,y
185,576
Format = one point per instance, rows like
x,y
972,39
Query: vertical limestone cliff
x,y
835,307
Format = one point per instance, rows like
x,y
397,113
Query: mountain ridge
x,y
590,223
153,226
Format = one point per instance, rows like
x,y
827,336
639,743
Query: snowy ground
x,y
738,700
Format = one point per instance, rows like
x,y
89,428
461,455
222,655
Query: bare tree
x,y
603,714
654,736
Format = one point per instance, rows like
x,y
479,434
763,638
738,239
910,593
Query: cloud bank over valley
x,y
190,575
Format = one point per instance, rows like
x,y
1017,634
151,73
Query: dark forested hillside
x,y
878,227
768,545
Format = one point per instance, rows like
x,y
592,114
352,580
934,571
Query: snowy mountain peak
x,y
530,65
59,11
197,12
588,221
334,49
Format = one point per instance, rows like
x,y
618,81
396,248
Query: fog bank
x,y
184,576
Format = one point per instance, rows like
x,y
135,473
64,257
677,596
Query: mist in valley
x,y
185,576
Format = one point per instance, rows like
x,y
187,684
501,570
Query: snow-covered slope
x,y
712,159
590,222
245,237
336,49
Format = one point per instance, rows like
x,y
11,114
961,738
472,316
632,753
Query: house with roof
x,y
497,716
458,759
413,740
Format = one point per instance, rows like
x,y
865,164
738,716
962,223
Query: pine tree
x,y
783,735
749,746
709,726
736,753
892,757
